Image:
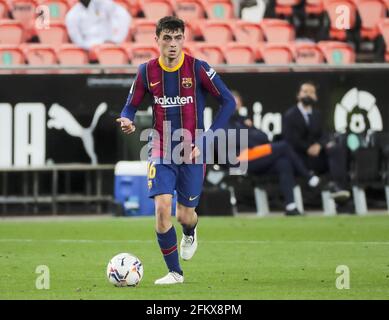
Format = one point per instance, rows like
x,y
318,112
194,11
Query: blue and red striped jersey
x,y
178,96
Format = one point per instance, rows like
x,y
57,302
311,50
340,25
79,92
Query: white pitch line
x,y
203,241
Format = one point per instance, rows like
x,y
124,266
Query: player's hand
x,y
314,150
195,152
126,125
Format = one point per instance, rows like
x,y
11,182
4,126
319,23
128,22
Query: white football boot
x,y
171,278
188,246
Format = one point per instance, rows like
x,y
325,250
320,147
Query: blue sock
x,y
188,230
168,244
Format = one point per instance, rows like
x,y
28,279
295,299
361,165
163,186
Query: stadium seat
x,y
156,9
213,54
190,47
11,32
4,9
141,53
135,7
40,55
24,11
215,31
371,12
56,34
331,7
314,7
143,30
69,54
57,9
219,9
277,53
248,32
11,55
195,26
238,53
189,9
110,54
277,30
384,30
285,7
336,52
307,53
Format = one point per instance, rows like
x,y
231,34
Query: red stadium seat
x,y
248,32
337,52
331,6
384,29
24,11
156,9
57,9
285,7
314,7
143,30
277,53
11,32
219,9
277,30
371,12
215,31
238,53
135,7
40,55
110,54
71,55
141,53
213,54
307,53
11,55
55,34
4,9
190,47
189,9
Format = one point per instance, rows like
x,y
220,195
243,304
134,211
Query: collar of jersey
x,y
168,69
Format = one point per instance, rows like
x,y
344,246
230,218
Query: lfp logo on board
x,y
357,113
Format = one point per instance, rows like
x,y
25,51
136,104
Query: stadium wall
x,y
67,118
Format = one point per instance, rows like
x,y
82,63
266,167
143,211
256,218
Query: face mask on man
x,y
308,101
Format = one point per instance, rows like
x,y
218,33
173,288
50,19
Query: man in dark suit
x,y
264,157
302,128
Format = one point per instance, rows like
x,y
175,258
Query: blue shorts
x,y
186,179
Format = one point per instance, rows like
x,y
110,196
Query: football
x,y
124,270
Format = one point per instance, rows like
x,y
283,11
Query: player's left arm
x,y
212,83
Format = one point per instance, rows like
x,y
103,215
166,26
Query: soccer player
x,y
178,85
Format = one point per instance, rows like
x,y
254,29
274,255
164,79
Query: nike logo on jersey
x,y
154,84
192,198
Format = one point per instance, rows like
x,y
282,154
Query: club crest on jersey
x,y
187,83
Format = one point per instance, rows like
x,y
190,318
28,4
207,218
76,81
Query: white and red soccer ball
x,y
125,270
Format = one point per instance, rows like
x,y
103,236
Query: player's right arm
x,y
134,99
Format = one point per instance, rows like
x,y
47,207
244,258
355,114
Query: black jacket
x,y
300,135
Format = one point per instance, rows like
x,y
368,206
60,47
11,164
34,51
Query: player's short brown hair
x,y
169,23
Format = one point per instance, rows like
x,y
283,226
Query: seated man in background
x,y
276,157
302,128
93,22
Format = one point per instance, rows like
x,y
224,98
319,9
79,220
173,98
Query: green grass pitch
x,y
238,258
